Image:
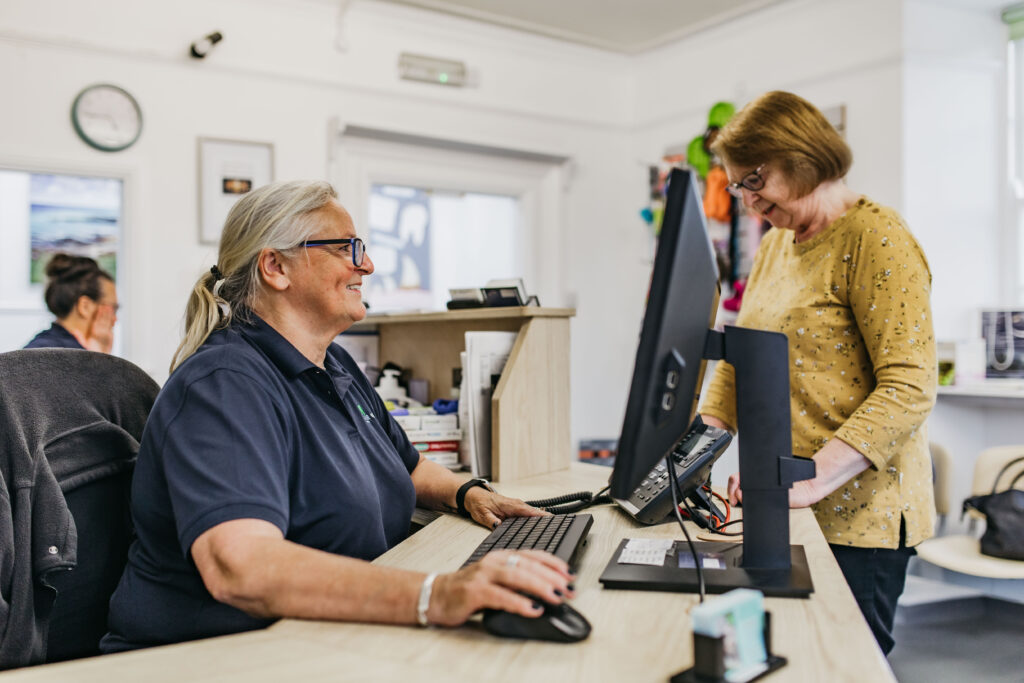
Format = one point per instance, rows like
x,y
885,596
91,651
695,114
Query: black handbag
x,y
1004,518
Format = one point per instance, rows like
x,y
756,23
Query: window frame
x,y
359,163
1013,251
126,254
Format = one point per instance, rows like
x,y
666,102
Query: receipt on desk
x,y
649,551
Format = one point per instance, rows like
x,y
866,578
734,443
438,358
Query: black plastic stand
x,y
703,501
765,561
709,658
767,466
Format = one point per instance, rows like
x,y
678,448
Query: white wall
x,y
828,51
954,152
277,77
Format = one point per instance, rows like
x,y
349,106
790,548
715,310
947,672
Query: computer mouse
x,y
559,623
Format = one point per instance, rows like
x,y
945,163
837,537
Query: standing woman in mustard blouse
x,y
844,279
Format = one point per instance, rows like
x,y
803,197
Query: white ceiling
x,y
627,26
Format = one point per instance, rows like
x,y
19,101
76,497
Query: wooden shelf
x,y
530,432
464,314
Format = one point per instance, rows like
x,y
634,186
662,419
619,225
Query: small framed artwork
x,y
227,170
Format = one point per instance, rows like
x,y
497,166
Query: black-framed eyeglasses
x,y
348,245
753,181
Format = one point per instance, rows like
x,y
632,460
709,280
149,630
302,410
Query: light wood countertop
x,y
637,635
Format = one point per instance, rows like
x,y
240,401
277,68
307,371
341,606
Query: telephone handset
x,y
696,452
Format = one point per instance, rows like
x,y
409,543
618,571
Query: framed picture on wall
x,y
45,211
227,170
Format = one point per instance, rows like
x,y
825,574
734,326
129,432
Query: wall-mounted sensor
x,y
432,70
202,47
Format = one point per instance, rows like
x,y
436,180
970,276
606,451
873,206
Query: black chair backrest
x,y
83,413
100,509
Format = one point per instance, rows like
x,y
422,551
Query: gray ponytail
x,y
280,216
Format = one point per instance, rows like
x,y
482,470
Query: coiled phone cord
x,y
571,502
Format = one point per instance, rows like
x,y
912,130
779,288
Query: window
x,y
438,215
425,242
42,214
1014,17
1015,101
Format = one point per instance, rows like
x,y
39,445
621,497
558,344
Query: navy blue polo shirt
x,y
55,337
247,427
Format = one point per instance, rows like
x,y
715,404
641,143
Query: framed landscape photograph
x,y
45,211
227,170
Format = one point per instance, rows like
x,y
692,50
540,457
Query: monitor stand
x,y
723,570
765,560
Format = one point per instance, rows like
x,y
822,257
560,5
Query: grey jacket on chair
x,y
67,417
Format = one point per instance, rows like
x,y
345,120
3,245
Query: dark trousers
x,y
876,576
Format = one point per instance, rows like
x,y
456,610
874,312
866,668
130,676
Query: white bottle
x,y
389,390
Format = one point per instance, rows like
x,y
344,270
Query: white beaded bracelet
x,y
424,602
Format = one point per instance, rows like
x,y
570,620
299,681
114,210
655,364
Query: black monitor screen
x,y
669,365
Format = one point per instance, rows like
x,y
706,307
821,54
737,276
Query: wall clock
x,y
106,117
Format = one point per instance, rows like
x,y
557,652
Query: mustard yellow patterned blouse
x,y
854,302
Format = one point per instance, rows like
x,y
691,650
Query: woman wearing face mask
x,y
844,279
83,297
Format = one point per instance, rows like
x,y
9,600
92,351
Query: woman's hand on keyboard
x,y
499,581
489,508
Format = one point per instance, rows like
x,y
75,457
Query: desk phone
x,y
696,452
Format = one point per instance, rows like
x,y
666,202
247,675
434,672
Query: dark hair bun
x,y
68,267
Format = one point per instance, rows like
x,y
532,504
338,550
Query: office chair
x,y
70,426
962,552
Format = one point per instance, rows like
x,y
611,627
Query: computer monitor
x,y
675,340
669,366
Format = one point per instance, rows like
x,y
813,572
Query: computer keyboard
x,y
561,535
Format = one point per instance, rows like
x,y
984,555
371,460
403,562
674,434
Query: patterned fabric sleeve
x,y
889,290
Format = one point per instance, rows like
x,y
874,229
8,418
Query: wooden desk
x,y
637,636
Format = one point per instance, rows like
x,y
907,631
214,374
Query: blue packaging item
x,y
445,406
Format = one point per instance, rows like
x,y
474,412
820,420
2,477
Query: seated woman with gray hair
x,y
270,473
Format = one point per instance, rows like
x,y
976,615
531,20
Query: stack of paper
x,y
482,362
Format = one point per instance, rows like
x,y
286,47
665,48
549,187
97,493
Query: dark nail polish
x,y
558,592
537,605
571,586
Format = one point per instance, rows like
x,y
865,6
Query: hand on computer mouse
x,y
502,580
558,623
